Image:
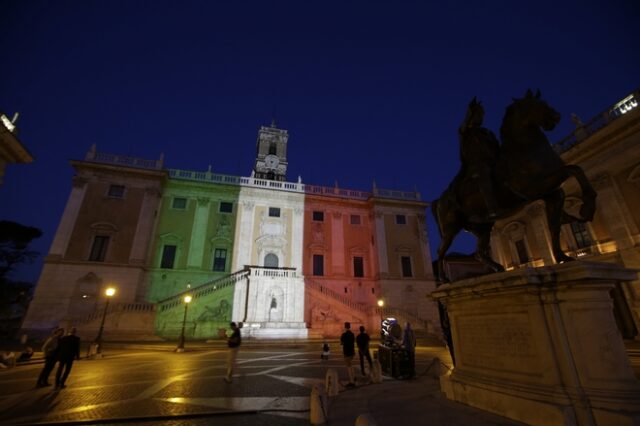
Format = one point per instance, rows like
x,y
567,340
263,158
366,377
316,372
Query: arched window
x,y
271,261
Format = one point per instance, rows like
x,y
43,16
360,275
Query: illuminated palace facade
x,y
287,259
607,148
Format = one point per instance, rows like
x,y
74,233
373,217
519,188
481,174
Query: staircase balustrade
x,y
203,290
118,307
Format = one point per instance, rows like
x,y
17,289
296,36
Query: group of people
x,y
63,350
349,341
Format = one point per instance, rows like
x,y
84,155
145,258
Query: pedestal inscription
x,y
495,341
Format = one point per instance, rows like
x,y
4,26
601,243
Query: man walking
x,y
363,349
347,340
68,350
50,351
234,345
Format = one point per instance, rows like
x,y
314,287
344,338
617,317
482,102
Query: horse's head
x,y
533,110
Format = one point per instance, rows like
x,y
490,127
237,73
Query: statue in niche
x,y
526,169
275,314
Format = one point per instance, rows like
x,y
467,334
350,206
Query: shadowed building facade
x,y
285,258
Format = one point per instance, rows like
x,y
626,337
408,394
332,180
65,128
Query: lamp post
x,y
187,300
381,305
109,292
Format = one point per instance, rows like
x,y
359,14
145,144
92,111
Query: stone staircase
x,y
344,309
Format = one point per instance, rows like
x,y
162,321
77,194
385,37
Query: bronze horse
x,y
526,169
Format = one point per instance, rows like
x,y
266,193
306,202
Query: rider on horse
x,y
479,150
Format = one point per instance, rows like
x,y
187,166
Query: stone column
x,y
337,245
198,234
144,228
69,217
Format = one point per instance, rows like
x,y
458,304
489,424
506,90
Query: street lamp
x,y
109,292
187,300
380,306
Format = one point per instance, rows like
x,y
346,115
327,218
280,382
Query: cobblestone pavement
x,y
271,387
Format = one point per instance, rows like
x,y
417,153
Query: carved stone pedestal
x,y
541,346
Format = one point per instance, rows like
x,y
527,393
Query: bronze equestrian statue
x,y
496,180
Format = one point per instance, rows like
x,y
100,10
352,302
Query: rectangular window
x,y
401,219
318,216
116,191
373,290
521,249
273,149
355,219
99,248
274,211
179,203
220,260
358,267
318,265
581,234
406,266
226,207
168,257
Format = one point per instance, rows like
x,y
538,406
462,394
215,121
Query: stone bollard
x,y
376,372
365,420
318,409
331,382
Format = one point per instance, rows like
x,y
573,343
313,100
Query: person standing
x,y
363,349
409,343
68,350
347,340
50,351
233,343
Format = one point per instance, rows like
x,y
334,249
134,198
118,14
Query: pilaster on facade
x,y
337,266
381,240
199,233
146,224
69,218
618,229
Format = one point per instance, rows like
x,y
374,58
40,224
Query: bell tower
x,y
271,155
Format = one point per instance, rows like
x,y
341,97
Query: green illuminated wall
x,y
197,229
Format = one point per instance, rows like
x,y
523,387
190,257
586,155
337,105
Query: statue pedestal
x,y
541,346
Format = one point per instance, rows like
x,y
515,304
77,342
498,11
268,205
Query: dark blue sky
x,y
368,90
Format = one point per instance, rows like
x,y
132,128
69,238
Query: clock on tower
x,y
271,155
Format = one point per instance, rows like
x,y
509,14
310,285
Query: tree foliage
x,y
14,242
